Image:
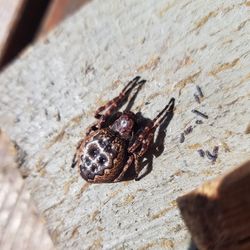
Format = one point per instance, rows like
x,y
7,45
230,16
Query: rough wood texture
x,y
48,98
218,213
21,227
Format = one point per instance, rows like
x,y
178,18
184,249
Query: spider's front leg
x,y
110,107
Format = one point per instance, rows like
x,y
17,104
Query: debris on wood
x,y
199,91
213,156
200,114
201,152
198,121
215,151
197,98
182,138
188,130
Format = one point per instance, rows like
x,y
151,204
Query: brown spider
x,y
115,142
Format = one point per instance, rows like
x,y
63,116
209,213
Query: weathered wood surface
x,y
49,95
218,213
21,226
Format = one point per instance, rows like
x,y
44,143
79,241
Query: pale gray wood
x,y
85,62
21,225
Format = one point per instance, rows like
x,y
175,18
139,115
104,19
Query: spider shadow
x,y
192,245
156,148
132,100
136,87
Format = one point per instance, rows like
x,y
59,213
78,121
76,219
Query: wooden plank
x,y
218,213
21,226
49,96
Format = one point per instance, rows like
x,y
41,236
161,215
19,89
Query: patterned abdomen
x,y
102,155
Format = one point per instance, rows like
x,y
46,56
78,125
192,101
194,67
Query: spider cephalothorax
x,y
111,147
124,125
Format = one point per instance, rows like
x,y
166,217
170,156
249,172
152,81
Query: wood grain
x,y
21,226
218,213
49,96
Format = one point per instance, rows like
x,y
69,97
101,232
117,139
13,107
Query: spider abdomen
x,y
101,156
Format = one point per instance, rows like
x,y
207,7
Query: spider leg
x,y
73,164
91,128
160,117
98,124
138,166
109,108
146,136
138,155
125,168
145,144
74,160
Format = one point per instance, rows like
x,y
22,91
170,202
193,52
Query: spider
x,y
115,141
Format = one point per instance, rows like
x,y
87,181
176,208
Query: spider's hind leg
x,y
161,116
145,138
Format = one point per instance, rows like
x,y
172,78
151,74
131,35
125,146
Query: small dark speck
x,y
199,91
188,130
215,151
199,113
211,156
198,121
201,152
58,117
52,83
89,68
46,112
17,120
197,99
182,138
247,131
146,103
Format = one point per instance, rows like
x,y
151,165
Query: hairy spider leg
x,y
160,117
146,136
112,105
125,168
74,160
